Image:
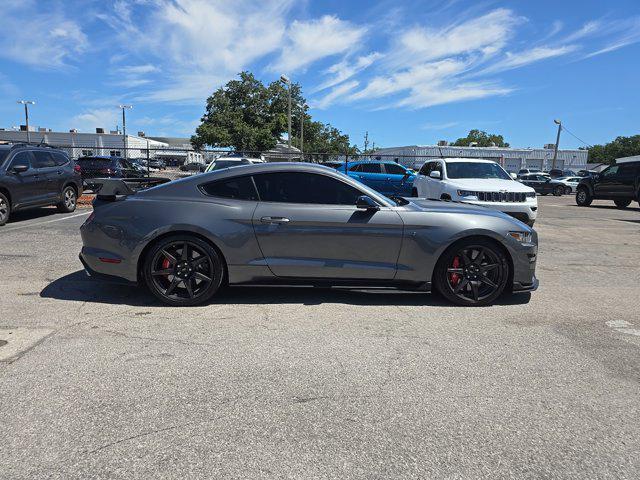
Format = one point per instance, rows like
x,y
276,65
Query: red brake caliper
x,y
165,264
455,277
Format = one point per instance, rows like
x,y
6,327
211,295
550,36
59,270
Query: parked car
x,y
586,173
157,163
570,183
557,173
619,182
226,162
108,167
295,223
480,182
332,164
527,171
33,176
193,167
388,178
542,184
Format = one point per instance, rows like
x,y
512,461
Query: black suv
x,y
619,182
34,176
108,167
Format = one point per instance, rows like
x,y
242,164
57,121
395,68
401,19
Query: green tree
x,y
249,116
620,147
483,139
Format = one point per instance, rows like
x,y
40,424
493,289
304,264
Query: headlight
x,y
522,237
466,193
531,194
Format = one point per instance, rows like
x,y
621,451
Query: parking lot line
x,y
20,227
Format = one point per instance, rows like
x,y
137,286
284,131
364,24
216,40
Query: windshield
x,y
476,170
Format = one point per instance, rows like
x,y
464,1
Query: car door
x,y
308,226
62,170
624,184
436,186
371,174
26,187
399,178
47,171
534,182
606,183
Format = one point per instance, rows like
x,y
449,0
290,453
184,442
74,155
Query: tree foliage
x,y
249,116
620,147
483,139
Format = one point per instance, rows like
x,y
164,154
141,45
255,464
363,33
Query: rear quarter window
x,y
236,188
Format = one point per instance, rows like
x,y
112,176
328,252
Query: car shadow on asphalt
x,y
79,287
613,207
22,215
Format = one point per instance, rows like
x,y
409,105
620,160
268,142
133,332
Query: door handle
x,y
274,220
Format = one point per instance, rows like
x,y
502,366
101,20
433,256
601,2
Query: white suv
x,y
481,182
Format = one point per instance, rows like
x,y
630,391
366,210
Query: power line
x,y
575,136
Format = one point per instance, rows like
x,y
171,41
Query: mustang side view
x,y
300,224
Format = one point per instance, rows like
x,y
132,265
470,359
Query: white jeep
x,y
481,182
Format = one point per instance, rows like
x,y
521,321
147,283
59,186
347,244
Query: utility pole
x,y
366,142
26,104
124,127
555,149
284,79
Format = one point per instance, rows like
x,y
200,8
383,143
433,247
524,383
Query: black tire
x,y
473,279
180,278
414,192
544,194
69,200
5,209
583,197
558,191
622,202
530,223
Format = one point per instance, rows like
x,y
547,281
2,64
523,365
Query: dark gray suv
x,y
35,176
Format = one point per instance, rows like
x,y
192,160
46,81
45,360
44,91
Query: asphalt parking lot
x,y
315,383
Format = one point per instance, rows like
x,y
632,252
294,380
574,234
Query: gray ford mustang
x,y
300,224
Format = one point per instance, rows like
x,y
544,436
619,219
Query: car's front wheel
x,y
622,202
583,198
183,270
472,272
69,200
5,209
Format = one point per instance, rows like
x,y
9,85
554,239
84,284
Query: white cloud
x,y
132,76
520,59
346,69
310,41
42,38
439,126
87,121
335,93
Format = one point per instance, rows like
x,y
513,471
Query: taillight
x,y
77,169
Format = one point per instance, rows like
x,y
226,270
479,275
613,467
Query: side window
x,y
424,170
59,159
437,167
626,169
237,188
43,159
611,171
21,158
394,169
356,168
370,168
311,188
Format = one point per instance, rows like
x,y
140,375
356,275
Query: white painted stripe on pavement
x,y
19,227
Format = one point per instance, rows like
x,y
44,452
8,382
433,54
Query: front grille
x,y
510,197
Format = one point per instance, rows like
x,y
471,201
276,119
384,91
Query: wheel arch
x,y
473,237
182,231
5,192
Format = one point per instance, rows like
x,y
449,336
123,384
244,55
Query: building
x,y
512,159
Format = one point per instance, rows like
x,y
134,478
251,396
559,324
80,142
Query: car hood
x,y
488,185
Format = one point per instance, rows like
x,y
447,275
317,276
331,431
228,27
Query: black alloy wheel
x,y
473,273
622,202
69,200
583,198
5,209
558,191
183,270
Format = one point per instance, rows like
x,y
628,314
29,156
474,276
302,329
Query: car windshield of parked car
x,y
220,164
476,170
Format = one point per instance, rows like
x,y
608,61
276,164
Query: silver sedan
x,y
300,224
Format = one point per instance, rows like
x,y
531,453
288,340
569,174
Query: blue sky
x,y
406,72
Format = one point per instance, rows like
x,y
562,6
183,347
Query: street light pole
x,y
555,149
124,127
26,104
284,79
302,132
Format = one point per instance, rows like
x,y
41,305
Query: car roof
x,y
466,160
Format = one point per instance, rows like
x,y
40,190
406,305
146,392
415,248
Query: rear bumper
x,y
103,276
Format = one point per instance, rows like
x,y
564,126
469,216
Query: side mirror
x,y
514,175
19,168
366,203
435,175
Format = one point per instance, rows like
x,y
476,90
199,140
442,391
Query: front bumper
x,y
524,287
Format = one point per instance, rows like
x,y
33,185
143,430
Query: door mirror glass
x,y
435,174
19,168
366,203
513,175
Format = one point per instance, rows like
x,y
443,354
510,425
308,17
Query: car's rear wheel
x,y
5,209
583,198
183,270
69,200
473,272
622,202
558,191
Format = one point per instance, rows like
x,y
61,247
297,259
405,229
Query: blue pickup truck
x,y
388,178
